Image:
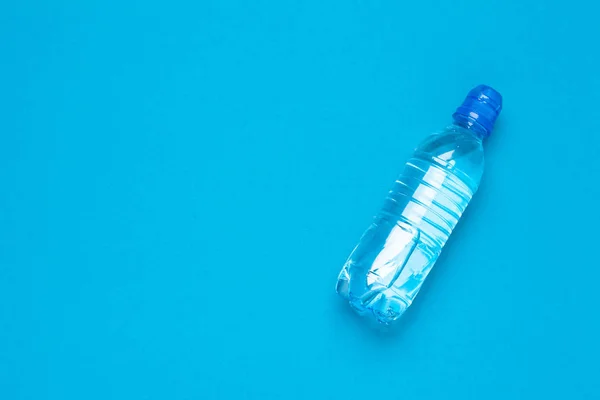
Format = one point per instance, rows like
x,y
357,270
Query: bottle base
x,y
382,305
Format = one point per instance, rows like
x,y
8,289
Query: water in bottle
x,y
386,269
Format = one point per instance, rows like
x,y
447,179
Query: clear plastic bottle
x,y
385,271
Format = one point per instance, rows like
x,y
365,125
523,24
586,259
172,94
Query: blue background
x,y
180,184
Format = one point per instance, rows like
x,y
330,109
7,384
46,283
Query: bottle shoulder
x,y
457,150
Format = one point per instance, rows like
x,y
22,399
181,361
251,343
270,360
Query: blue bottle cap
x,y
479,110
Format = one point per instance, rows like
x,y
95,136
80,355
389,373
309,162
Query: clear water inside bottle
x,y
387,268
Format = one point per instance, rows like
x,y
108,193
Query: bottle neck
x,y
472,128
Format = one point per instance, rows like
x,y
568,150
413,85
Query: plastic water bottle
x,y
385,271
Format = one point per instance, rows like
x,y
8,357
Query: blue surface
x,y
181,183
